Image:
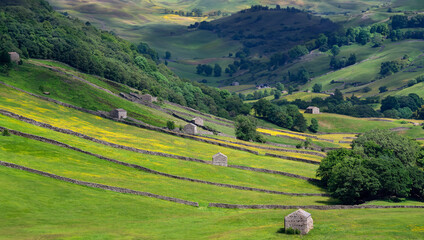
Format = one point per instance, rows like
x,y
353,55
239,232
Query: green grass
x,y
333,123
305,96
135,137
39,207
66,89
367,71
68,163
169,165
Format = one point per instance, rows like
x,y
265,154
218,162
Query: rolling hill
x,y
70,170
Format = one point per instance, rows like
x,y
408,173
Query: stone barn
x,y
220,159
312,110
14,57
190,129
148,98
235,84
198,121
299,219
118,113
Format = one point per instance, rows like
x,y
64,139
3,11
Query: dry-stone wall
x,y
96,185
292,158
138,167
200,113
133,123
70,132
317,207
273,149
274,172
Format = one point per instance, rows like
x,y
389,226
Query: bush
x,y
296,231
170,125
290,231
6,132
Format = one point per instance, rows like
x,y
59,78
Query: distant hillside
x,y
265,30
33,29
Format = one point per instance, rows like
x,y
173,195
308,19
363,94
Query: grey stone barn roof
x,y
120,110
301,212
311,107
219,154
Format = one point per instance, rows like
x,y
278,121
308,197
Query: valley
x,y
211,120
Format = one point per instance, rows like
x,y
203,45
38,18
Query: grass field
x,y
305,96
368,70
79,166
130,136
53,209
69,90
38,207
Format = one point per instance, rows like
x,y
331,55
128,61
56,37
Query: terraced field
x,y
68,173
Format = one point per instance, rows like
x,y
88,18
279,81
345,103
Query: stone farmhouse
x,y
118,113
220,159
190,129
198,121
312,110
300,220
14,57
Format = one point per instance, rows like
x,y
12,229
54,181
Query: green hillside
x,y
84,204
69,169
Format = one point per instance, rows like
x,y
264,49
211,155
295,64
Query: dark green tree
x,y
245,127
217,70
167,55
317,88
314,125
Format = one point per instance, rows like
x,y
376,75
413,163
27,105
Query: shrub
x,y
6,132
170,125
296,231
290,231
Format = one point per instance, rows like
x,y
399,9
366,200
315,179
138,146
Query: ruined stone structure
x,y
235,84
118,113
299,219
312,110
14,57
190,129
148,98
220,159
198,121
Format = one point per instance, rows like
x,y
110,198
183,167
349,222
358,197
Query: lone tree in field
x,y
167,55
246,129
317,88
170,125
380,165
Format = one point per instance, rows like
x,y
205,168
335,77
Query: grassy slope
x,y
131,136
368,70
169,165
68,163
38,207
69,90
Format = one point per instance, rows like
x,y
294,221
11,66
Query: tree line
x,y
380,165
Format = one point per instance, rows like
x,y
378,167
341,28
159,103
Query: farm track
x,y
148,170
